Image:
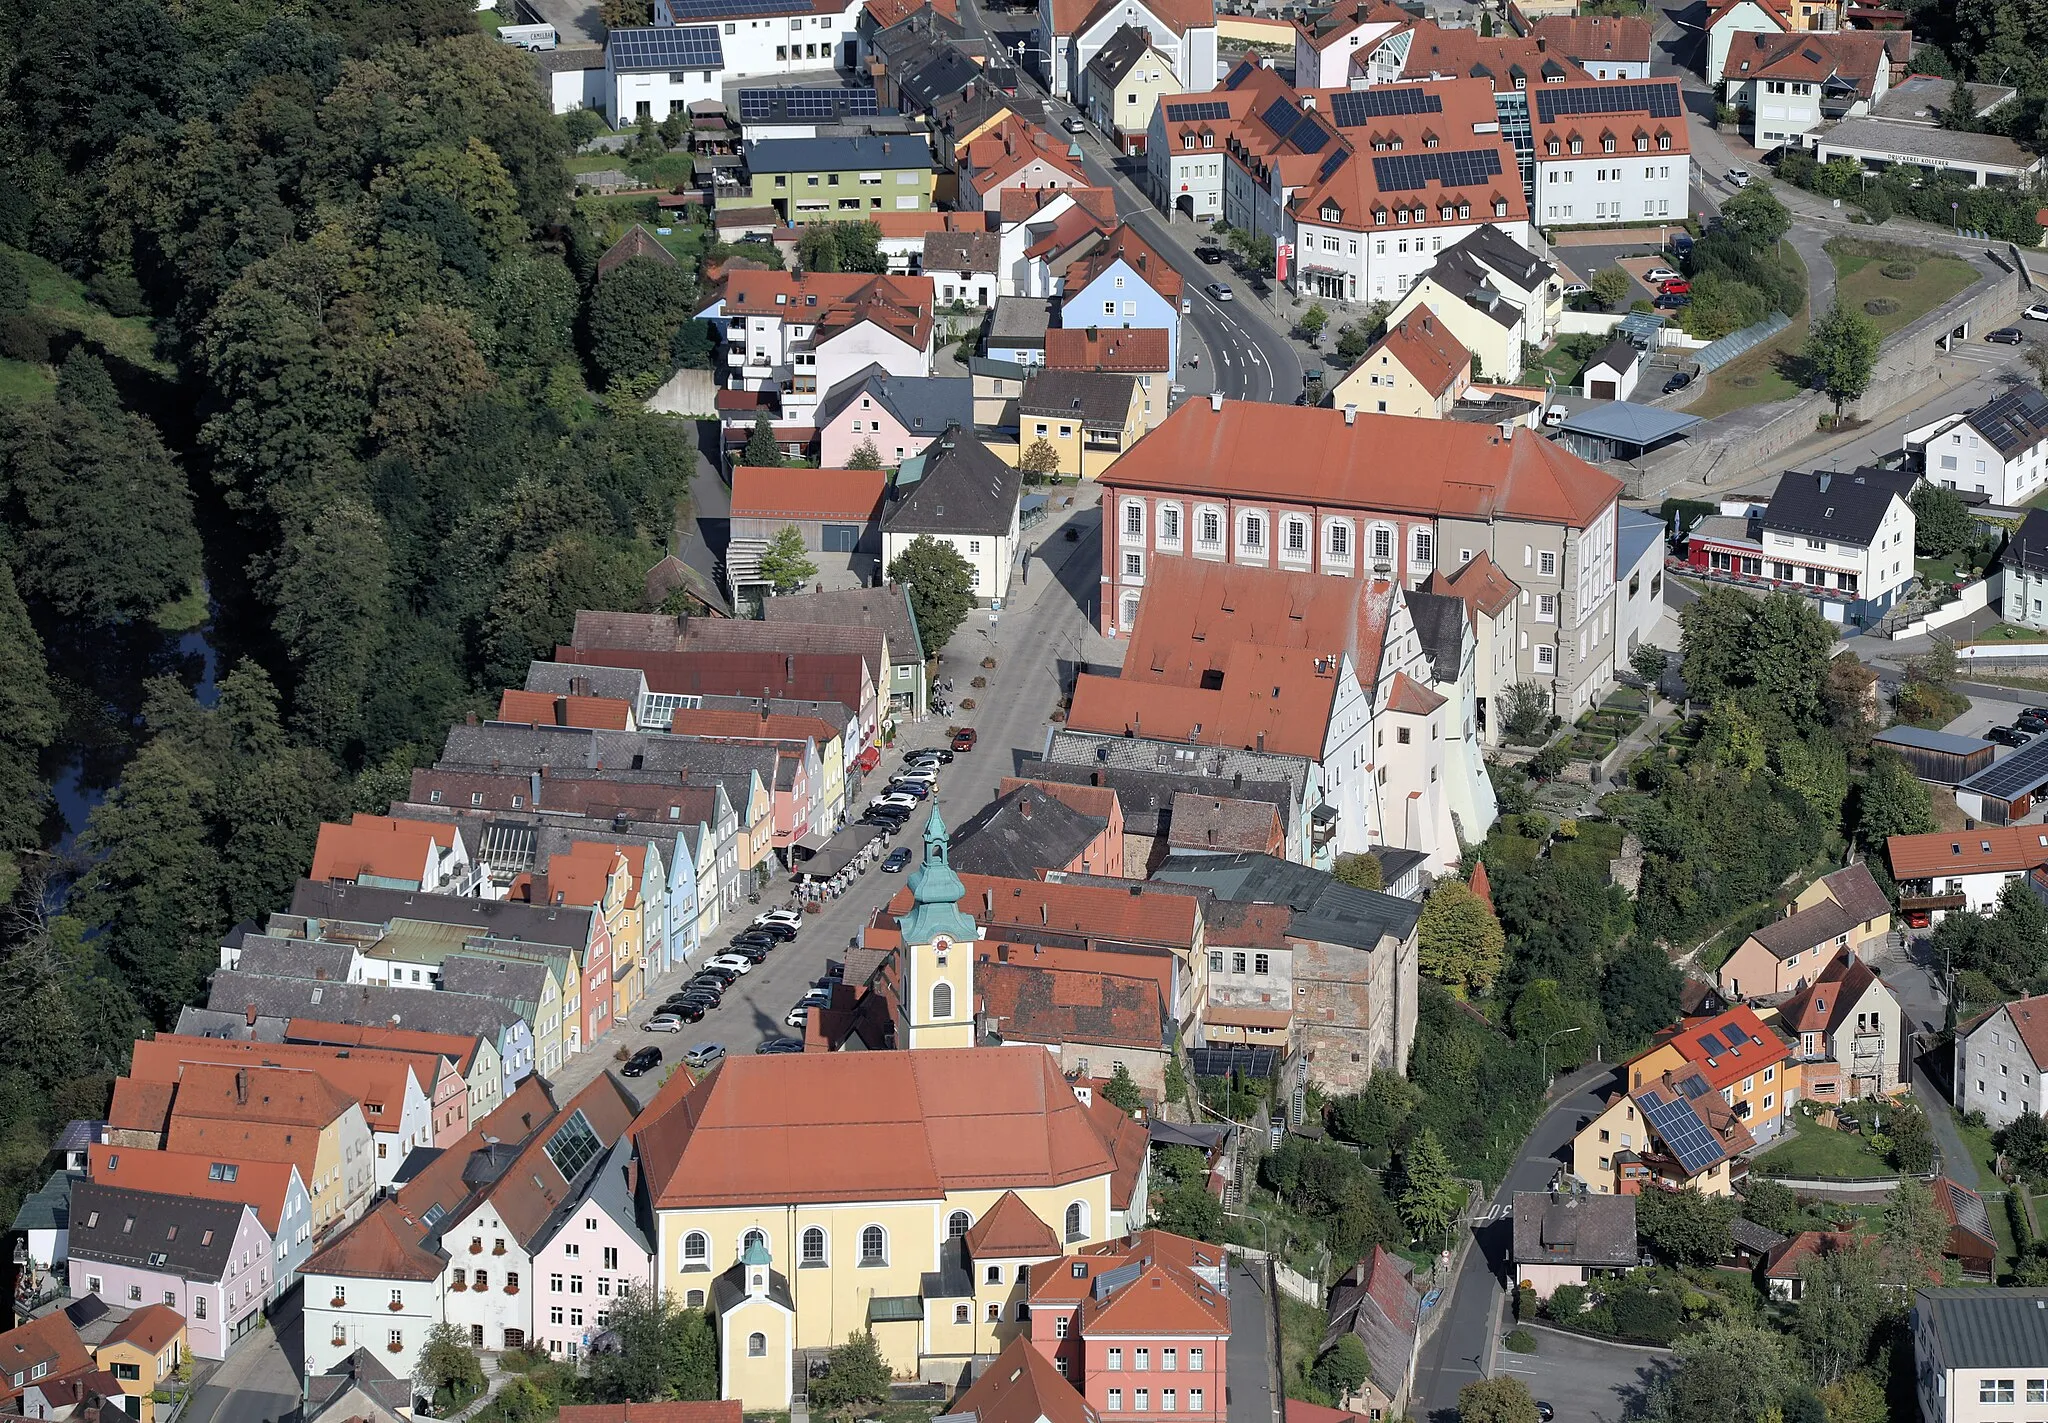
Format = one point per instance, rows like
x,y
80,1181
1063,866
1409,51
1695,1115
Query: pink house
x,y
898,416
208,1260
1141,1325
598,1251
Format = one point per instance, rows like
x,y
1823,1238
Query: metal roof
x,y
1986,1329
1922,739
1629,423
2018,774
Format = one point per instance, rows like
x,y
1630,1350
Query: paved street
x,y
1463,1349
1250,1382
1048,625
1585,1379
259,1382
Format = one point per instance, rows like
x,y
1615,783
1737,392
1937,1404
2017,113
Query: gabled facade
x,y
2000,449
798,337
274,1190
1417,369
1016,156
210,1261
836,179
1842,912
1848,1031
1785,86
1123,84
1124,283
1944,871
1371,32
1072,32
1614,151
2001,1061
1728,21
1844,540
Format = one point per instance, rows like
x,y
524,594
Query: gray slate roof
x,y
363,1004
1147,796
1844,507
1752,1237
826,155
295,958
1125,48
1553,1229
1100,398
886,608
515,979
2028,547
562,926
1986,1328
1377,1300
925,405
48,1208
1019,321
230,1027
1017,835
1324,908
1440,625
961,252
1618,355
1918,141
1142,753
179,1235
965,490
1501,253
556,678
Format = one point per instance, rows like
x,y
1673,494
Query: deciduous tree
x,y
1841,351
1839,1308
1891,801
1459,942
635,311
1611,286
1358,871
1505,1399
865,456
1686,1227
1942,524
786,565
857,1377
941,584
653,1349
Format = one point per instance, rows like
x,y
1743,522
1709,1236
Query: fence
x,y
1288,1280
2000,651
1974,598
1721,352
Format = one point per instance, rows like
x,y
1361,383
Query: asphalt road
x,y
1584,1379
1249,1381
1462,1349
259,1382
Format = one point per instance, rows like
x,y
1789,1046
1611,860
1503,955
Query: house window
x,y
1169,525
1134,520
1134,565
1077,1221
1116,1400
958,1224
1994,1391
813,1247
1115,1360
874,1246
1261,964
696,1249
1059,1327
1546,564
757,1345
1212,526
1254,534
1195,1398
1382,542
942,1000
1340,541
1195,1365
1297,536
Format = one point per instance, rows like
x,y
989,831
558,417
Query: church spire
x,y
937,892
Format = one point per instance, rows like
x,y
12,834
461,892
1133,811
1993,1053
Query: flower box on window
x,y
396,1305
338,1303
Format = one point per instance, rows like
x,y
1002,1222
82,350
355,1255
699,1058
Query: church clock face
x,y
942,942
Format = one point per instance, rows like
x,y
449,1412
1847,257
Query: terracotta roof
x,y
140,1106
148,1329
246,1141
1853,56
261,1185
384,1245
1038,1004
1201,822
868,1127
1239,924
49,1340
1789,1260
1293,454
1853,888
531,707
1124,244
1018,204
901,226
831,302
1480,583
1021,1386
1301,1412
582,874
1343,21
376,845
1425,350
752,726
764,493
1292,718
1776,10
2029,1018
637,243
1411,698
1072,16
1098,801
1480,884
998,155
1621,39
718,1410
1091,348
205,1070
1140,914
1009,1229
809,676
285,1096
1989,849
1377,1300
1168,1297
1152,964
1722,1061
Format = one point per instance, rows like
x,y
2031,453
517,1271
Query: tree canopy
x,y
941,584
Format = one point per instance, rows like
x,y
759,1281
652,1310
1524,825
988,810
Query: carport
x,y
1622,430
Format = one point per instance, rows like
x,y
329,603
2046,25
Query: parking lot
x,y
1584,1380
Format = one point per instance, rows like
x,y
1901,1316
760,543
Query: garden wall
x,y
1974,598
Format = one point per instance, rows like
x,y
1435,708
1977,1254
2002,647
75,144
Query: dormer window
x,y
1578,146
1642,144
1464,210
1500,207
1332,213
1553,148
1402,215
1664,141
1379,217
1607,144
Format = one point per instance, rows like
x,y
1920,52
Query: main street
x,y
1462,1349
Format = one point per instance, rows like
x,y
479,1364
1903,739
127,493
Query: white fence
x,y
1587,323
1291,1281
1974,598
2001,651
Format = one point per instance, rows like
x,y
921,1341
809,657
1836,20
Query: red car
x,y
1676,287
963,739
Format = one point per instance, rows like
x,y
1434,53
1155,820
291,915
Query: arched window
x,y
1077,1221
696,1249
942,1000
874,1246
957,1224
752,1238
960,1314
814,1246
694,1299
757,1346
1339,539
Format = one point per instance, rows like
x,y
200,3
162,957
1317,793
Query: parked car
x,y
1220,291
642,1062
1679,381
716,973
886,821
1738,177
923,775
1662,274
703,1057
2005,336
2032,719
2037,312
1555,415
917,789
1572,289
778,1045
895,800
780,932
1672,301
2008,736
755,954
1919,918
929,753
1074,123
1209,256
1675,284
738,963
666,1023
689,1009
756,938
898,861
788,918
964,739
797,1016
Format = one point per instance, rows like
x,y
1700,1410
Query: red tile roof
x,y
1854,56
544,708
148,1329
1023,1385
1427,351
996,156
1761,1048
1135,915
260,1185
767,493
1092,348
377,845
51,1341
1480,583
1257,450
1038,1003
140,1106
1411,698
1125,244
1167,1298
835,301
1789,1261
1499,59
1072,16
2029,1018
1339,23
1009,1229
1018,204
1613,39
718,1410
1988,849
1625,126
1823,1003
1018,947
712,724
205,1070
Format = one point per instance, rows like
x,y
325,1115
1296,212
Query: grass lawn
x,y
1978,1141
1558,362
490,21
1301,1331
1935,279
62,301
1940,571
1812,1150
1773,371
2006,632
21,381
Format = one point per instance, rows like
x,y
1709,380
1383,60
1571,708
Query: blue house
x,y
1124,282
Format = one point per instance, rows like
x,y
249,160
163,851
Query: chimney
x,y
1351,414
1215,400
579,686
789,668
1024,806
469,719
1044,913
241,1086
988,902
1541,46
1262,741
251,1014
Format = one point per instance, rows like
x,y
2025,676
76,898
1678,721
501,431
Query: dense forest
x,y
366,444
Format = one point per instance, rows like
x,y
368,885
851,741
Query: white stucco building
x,y
1610,152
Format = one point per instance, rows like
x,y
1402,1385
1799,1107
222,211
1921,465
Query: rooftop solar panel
x,y
1712,1045
733,9
1332,164
1195,113
791,102
667,47
1222,1061
1412,172
1659,101
1736,1036
1695,1086
1310,136
2018,774
1362,106
1281,116
1683,1132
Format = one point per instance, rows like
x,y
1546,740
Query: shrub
x,y
1526,1303
1549,761
1900,271
1521,1341
117,290
25,336
967,704
1566,1302
979,682
1881,306
989,663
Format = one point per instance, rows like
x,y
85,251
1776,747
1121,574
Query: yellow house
x,y
1123,84
142,1353
801,1198
1844,910
1483,321
1418,369
1088,417
607,878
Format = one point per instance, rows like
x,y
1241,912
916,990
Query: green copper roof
x,y
937,892
756,1252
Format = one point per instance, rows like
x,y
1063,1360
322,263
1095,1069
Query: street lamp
x,y
1545,1059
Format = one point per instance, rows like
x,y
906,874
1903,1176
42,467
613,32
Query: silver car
x,y
704,1057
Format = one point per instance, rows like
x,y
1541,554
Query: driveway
x,y
1584,1379
1253,1399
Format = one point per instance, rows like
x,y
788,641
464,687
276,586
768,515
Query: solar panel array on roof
x,y
1736,1036
1281,116
573,1146
1695,1086
1712,1044
1195,113
2014,421
1332,164
796,103
1223,1061
667,47
1362,106
1244,71
729,9
1411,172
1659,101
2019,774
1683,1132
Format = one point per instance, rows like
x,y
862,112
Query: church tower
x,y
938,952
